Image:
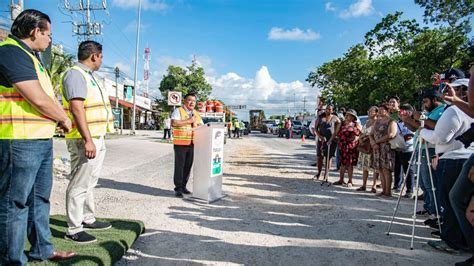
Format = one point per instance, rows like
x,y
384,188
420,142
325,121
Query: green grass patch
x,y
111,244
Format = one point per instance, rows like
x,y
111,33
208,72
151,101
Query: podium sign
x,y
208,162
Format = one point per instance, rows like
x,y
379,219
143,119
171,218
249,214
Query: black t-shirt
x,y
15,65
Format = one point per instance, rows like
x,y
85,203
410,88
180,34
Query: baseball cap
x,y
460,82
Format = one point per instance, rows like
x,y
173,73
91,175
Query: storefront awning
x,y
126,104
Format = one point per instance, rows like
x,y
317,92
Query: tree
x,y
455,13
186,80
60,62
398,58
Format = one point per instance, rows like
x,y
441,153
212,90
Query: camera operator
x,y
462,194
402,157
434,107
452,155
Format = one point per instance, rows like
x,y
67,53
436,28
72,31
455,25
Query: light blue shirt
x,y
404,131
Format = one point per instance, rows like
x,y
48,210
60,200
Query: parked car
x,y
275,129
297,127
247,128
363,119
307,131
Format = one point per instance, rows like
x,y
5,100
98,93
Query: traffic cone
x,y
302,137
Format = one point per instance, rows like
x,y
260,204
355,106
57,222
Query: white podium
x,y
208,162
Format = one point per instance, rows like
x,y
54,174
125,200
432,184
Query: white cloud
x,y
132,27
258,92
294,34
146,4
330,7
358,9
262,92
124,67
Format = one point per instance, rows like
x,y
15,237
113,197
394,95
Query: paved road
x,y
274,212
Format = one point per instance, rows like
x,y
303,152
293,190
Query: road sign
x,y
174,98
237,106
117,112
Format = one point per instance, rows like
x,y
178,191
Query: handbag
x,y
398,142
364,145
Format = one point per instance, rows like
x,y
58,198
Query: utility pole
x,y
16,9
85,30
136,68
304,106
117,75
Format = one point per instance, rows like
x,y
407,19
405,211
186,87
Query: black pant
x,y
183,161
167,131
402,159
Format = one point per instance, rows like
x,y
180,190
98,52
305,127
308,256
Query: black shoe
x,y
436,234
468,262
178,194
186,191
81,238
423,212
429,221
314,164
97,225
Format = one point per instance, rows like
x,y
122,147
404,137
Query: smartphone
x,y
443,88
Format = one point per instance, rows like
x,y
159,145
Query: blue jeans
x,y
425,182
25,186
460,196
448,170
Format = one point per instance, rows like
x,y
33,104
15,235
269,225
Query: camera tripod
x,y
418,149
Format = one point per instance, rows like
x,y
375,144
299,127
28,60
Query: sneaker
x,y
97,225
442,246
396,190
186,191
436,234
468,262
408,195
81,238
178,194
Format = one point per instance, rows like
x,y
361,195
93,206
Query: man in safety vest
x,y
184,119
29,114
236,128
87,104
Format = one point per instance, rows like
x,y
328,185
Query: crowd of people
x,y
404,147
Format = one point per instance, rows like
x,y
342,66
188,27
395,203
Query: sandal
x,y
373,190
338,183
362,189
349,185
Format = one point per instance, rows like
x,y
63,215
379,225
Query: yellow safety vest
x,y
96,105
18,118
184,135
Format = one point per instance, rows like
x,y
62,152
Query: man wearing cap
x,y
434,107
402,158
461,195
452,155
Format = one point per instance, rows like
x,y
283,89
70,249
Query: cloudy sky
x,y
255,52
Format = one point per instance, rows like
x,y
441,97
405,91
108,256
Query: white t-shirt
x,y
167,123
450,125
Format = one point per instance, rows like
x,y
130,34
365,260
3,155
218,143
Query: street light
x,y
136,69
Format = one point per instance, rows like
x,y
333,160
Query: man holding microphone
x,y
183,120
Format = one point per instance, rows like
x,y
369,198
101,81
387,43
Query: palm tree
x,y
60,62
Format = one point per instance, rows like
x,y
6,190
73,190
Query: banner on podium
x,y
217,151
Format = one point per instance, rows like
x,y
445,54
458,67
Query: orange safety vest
x,y
184,135
18,118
